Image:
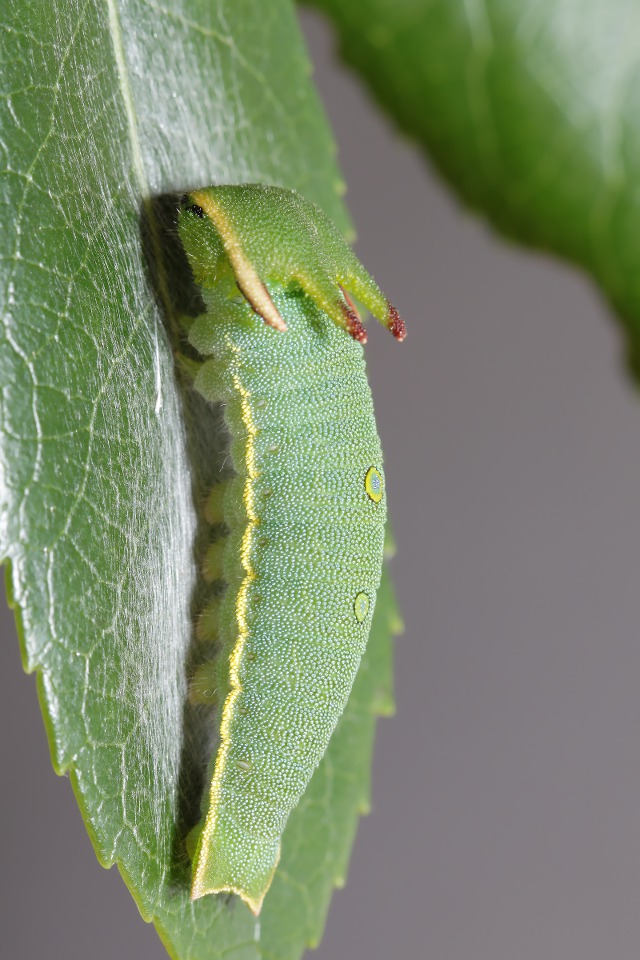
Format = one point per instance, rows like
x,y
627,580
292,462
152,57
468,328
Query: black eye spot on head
x,y
191,207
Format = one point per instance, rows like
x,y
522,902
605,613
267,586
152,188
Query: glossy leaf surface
x,y
106,106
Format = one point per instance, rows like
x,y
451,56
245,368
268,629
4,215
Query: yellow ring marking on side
x,y
374,485
361,607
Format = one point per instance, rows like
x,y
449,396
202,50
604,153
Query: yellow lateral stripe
x,y
197,887
246,277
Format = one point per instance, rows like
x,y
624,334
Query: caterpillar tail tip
x,y
353,323
396,325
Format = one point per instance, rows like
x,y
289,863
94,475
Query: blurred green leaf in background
x,y
530,112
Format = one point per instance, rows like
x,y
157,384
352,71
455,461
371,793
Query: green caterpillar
x,y
305,510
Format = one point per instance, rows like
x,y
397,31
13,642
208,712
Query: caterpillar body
x,y
305,510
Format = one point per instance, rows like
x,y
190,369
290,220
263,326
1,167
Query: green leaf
x,y
107,106
530,110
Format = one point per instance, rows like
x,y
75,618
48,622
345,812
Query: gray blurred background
x,y
506,791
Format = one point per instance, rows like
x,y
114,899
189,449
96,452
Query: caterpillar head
x,y
268,234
